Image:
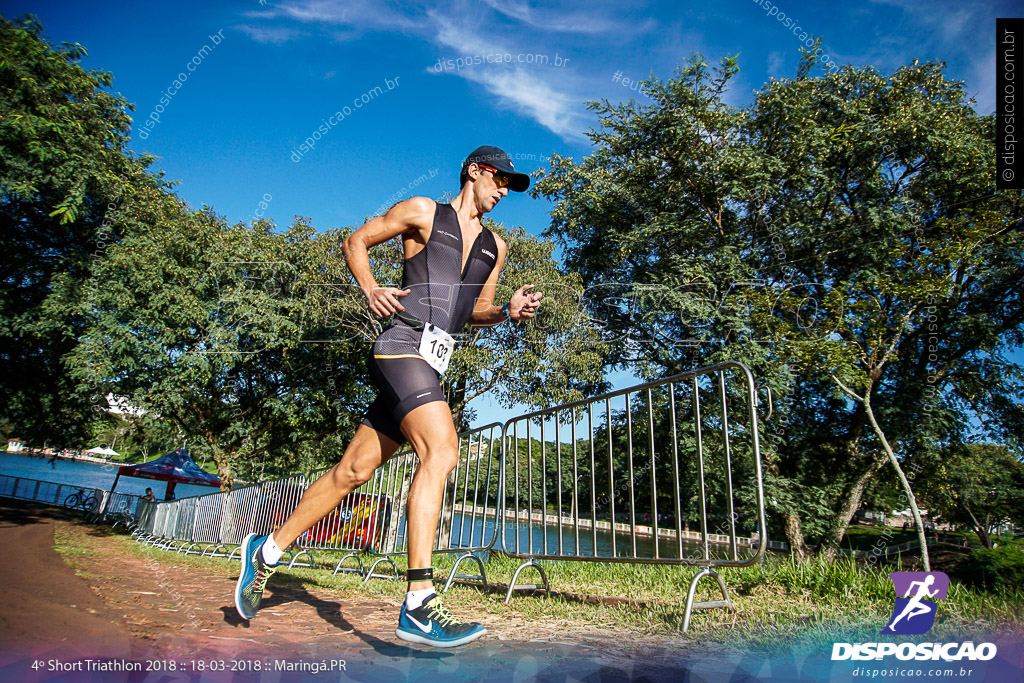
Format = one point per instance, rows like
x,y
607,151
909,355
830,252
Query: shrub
x,y
992,568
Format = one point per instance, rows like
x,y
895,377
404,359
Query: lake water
x,y
466,531
88,475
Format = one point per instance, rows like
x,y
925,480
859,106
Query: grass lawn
x,y
778,600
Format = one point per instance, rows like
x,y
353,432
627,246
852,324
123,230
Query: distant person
x,y
149,495
170,490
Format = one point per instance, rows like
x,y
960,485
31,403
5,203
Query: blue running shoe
x,y
432,624
253,577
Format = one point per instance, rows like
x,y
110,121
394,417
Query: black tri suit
x,y
443,294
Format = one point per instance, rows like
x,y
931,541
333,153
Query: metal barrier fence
x,y
616,478
370,520
65,495
613,478
124,507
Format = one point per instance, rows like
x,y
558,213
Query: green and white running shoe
x,y
253,577
432,624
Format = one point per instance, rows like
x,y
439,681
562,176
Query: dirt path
x,y
124,607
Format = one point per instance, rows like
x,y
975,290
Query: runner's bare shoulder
x,y
414,213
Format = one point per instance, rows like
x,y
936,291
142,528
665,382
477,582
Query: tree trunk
x,y
979,529
903,480
223,469
790,524
795,537
848,505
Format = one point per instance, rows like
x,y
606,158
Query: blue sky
x,y
262,77
282,68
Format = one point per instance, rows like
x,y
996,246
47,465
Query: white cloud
x,y
545,93
947,32
576,22
350,13
524,92
465,42
536,92
954,24
365,13
269,34
982,83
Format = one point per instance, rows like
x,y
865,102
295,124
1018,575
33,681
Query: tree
x,y
199,322
64,174
253,342
556,358
839,235
978,485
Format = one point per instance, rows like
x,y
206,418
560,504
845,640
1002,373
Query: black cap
x,y
496,158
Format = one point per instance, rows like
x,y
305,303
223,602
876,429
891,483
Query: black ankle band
x,y
426,574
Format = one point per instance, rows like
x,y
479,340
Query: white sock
x,y
271,553
415,599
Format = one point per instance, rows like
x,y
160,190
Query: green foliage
x,y
200,323
246,343
64,176
841,579
840,235
994,569
976,485
555,358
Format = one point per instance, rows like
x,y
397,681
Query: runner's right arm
x,y
412,218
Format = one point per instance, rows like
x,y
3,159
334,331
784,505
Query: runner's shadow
x,y
330,612
327,610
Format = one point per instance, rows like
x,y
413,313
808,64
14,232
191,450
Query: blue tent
x,y
177,467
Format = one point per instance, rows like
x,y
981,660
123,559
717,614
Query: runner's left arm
x,y
522,306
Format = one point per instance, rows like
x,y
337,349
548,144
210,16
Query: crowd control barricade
x,y
373,519
467,524
119,508
370,521
622,477
66,495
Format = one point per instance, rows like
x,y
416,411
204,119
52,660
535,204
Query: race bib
x,y
436,347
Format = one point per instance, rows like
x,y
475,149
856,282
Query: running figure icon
x,y
914,607
914,612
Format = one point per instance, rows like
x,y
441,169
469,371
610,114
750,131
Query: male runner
x,y
451,269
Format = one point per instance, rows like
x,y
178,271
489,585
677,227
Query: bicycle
x,y
80,500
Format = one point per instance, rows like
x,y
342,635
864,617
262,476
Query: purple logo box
x,y
902,580
916,596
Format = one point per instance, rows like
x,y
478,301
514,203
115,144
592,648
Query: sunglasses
x,y
500,179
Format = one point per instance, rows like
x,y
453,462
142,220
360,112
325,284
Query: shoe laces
x,y
263,573
441,614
